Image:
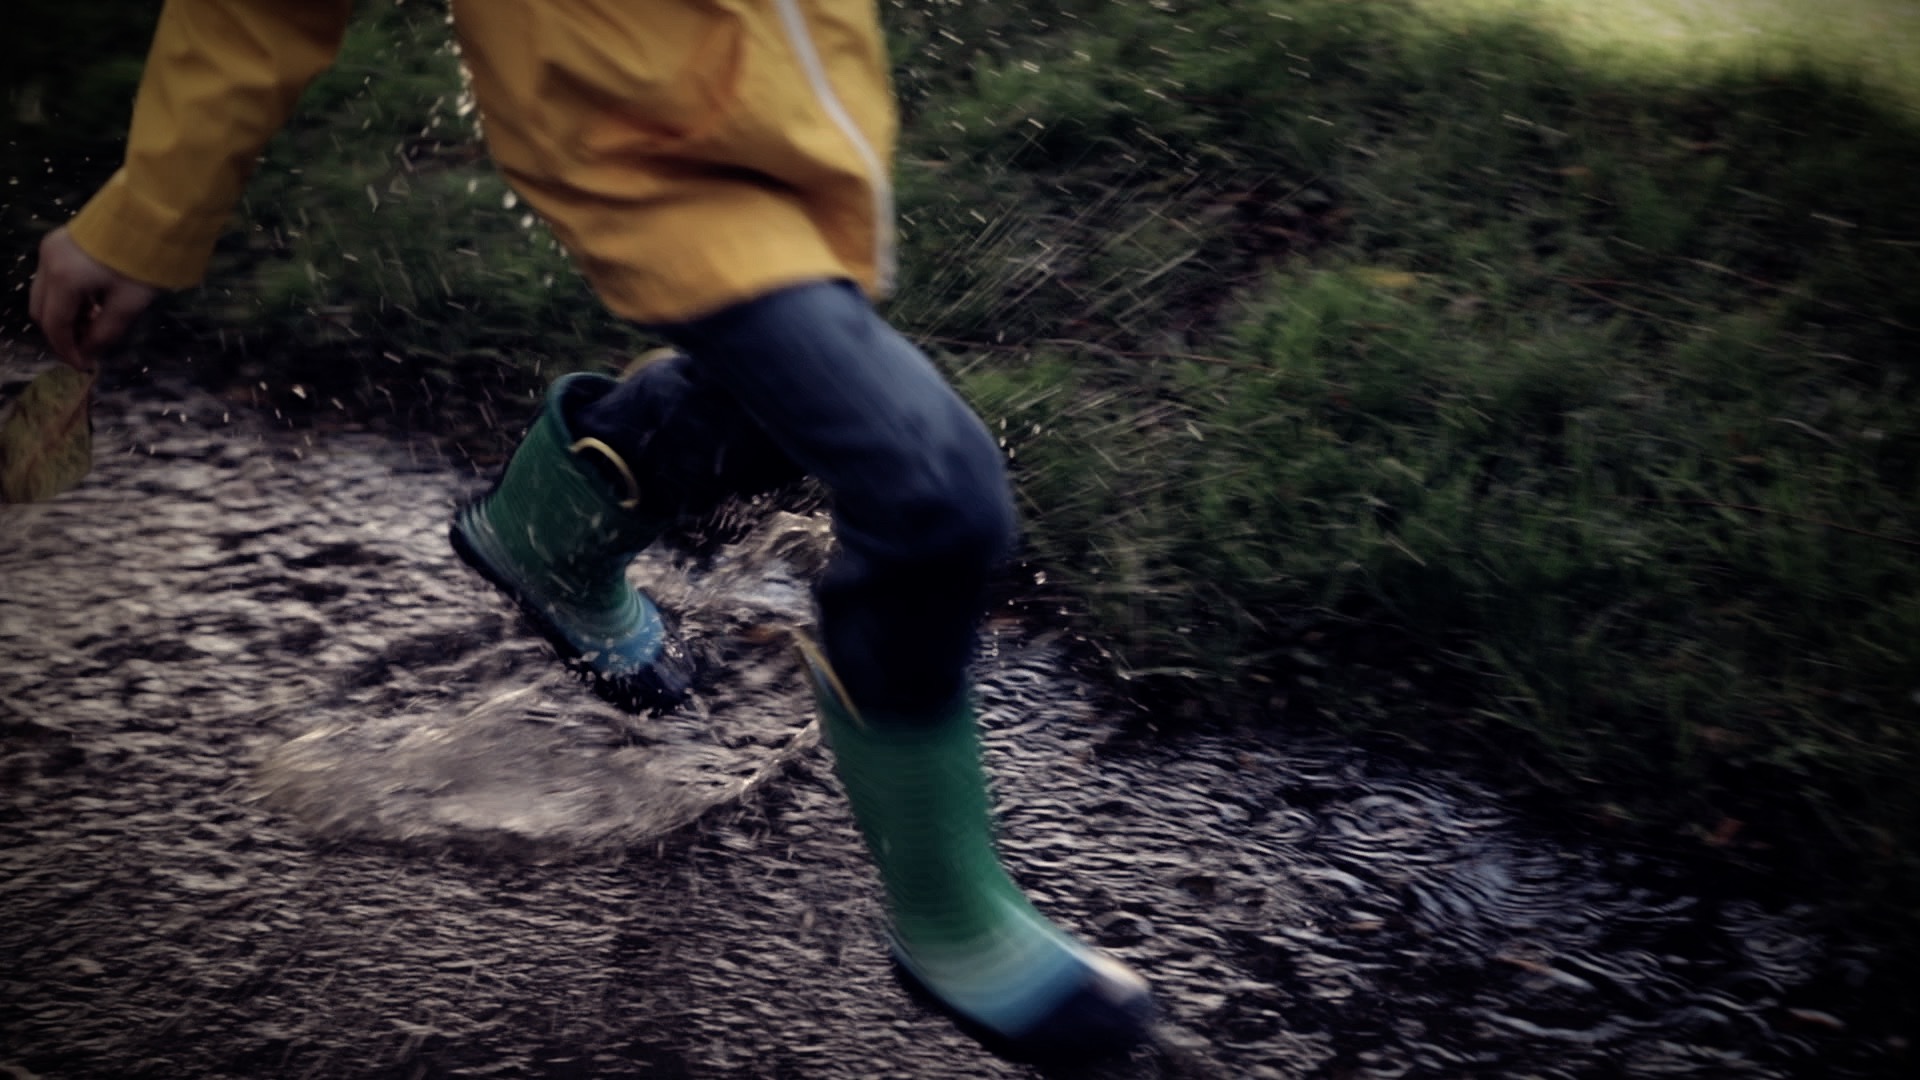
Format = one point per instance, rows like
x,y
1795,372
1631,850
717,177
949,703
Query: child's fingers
x,y
35,297
59,318
59,298
109,321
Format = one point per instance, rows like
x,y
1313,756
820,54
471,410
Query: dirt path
x,y
287,793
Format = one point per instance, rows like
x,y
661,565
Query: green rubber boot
x,y
556,533
963,932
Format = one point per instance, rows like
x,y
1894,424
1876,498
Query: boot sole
x,y
1083,1026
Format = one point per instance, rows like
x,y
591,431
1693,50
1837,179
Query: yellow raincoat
x,y
689,153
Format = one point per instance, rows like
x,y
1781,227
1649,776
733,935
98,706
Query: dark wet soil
x,y
287,792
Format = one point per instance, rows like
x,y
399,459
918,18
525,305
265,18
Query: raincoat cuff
x,y
150,243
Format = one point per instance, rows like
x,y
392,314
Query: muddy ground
x,y
288,792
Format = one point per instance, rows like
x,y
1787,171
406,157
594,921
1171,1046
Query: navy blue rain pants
x,y
810,379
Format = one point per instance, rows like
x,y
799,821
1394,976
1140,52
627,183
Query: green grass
x,y
1445,384
1873,41
1530,384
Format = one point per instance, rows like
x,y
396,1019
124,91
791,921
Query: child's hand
x,y
81,304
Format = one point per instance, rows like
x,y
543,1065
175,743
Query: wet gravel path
x,y
285,792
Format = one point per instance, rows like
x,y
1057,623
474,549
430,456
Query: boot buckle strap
x,y
825,678
632,501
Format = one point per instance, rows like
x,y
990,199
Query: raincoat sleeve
x,y
221,79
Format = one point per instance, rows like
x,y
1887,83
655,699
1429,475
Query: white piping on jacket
x,y
885,259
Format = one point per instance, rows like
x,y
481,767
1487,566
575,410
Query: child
x,y
719,169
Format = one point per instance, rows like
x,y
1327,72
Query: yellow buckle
x,y
816,658
632,501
